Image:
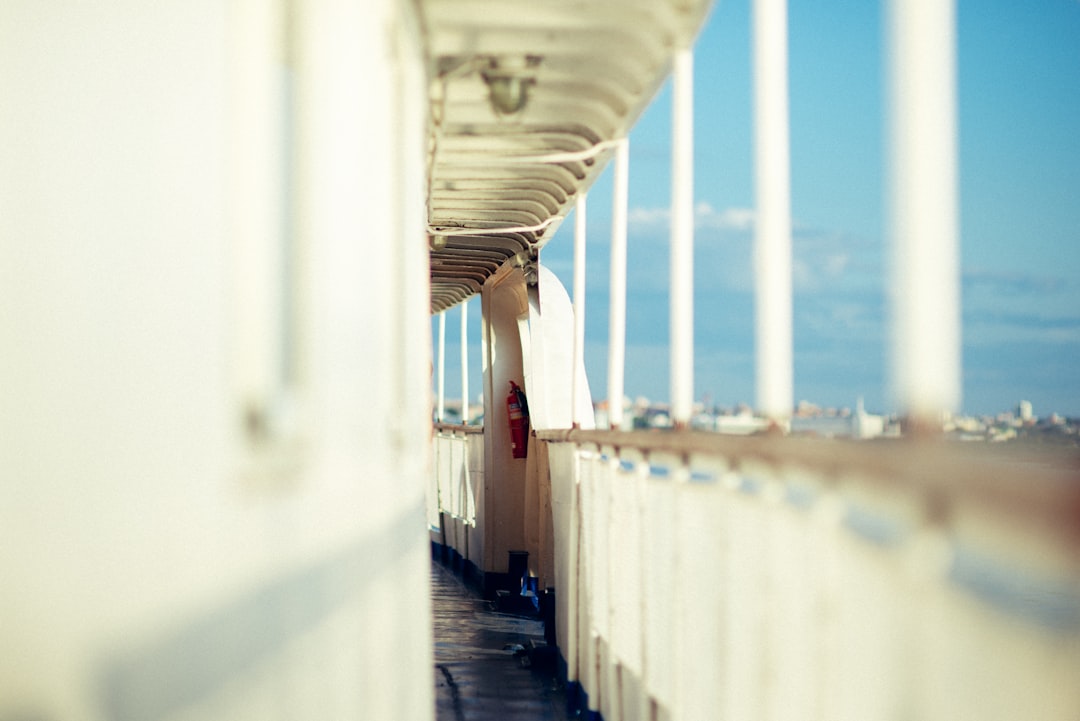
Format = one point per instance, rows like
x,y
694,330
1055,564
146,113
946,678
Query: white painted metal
x,y
925,294
166,552
458,476
772,237
682,239
458,483
617,285
586,72
548,352
440,407
563,460
773,593
465,362
579,305
549,158
490,230
507,355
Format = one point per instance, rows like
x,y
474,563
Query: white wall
x,y
505,305
158,560
549,385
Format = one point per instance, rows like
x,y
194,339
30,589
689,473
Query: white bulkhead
x,y
215,367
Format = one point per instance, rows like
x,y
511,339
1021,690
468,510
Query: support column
x,y
465,362
579,306
925,290
440,407
682,240
772,229
617,285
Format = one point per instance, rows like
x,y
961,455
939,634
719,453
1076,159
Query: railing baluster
x,y
572,557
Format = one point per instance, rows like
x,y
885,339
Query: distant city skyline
x,y
1019,145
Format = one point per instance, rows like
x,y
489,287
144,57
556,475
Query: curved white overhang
x,y
526,98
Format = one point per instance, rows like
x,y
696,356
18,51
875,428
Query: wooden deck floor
x,y
483,670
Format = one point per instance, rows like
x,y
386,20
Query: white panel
x,y
551,399
703,594
476,500
659,600
506,307
145,577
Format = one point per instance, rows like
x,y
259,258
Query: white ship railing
x,y
705,577
456,487
702,577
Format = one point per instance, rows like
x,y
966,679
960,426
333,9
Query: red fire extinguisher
x,y
518,411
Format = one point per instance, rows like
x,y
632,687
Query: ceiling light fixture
x,y
508,81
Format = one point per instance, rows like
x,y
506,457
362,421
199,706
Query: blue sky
x,y
1019,143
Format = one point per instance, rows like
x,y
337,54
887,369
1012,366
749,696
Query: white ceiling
x,y
501,182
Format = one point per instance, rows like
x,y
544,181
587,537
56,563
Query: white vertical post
x,y
574,596
440,408
464,362
579,306
925,293
682,240
617,285
772,238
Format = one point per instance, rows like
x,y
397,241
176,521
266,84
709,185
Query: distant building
x,y
822,426
741,424
864,425
1023,410
842,424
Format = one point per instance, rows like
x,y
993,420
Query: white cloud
x,y
648,216
822,261
705,216
812,271
836,264
741,219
